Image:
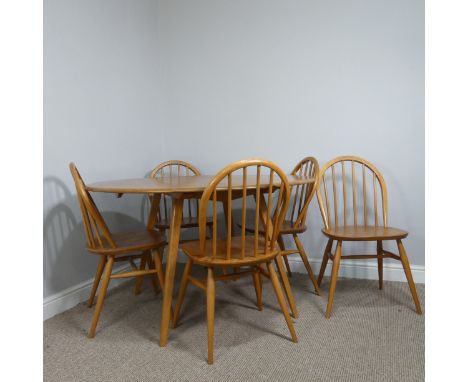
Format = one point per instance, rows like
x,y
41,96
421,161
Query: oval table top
x,y
177,184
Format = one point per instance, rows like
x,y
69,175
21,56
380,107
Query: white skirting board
x,y
393,271
71,297
362,269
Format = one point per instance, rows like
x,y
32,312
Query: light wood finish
x,y
180,188
173,249
184,184
258,287
210,312
111,247
175,169
238,251
409,276
352,184
286,286
267,225
334,277
182,289
364,233
97,279
285,258
139,279
295,223
281,300
326,255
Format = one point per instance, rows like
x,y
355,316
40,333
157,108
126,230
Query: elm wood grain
x,y
179,188
335,201
100,241
238,251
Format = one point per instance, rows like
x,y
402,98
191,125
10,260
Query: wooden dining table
x,y
180,188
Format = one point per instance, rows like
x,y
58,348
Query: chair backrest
x,y
175,168
302,194
97,232
358,190
234,180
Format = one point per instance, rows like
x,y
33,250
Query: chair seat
x,y
187,222
364,233
192,250
129,242
286,228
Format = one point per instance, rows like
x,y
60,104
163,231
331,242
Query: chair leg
x,y
154,276
281,301
286,286
258,287
182,289
97,279
409,276
210,312
160,273
303,255
324,261
285,258
101,296
380,263
286,263
139,279
334,277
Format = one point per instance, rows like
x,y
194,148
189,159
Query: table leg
x,y
173,249
153,212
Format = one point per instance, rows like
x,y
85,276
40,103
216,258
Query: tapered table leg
x,y
173,249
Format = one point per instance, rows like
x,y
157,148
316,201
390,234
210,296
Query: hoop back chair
x,y
176,168
295,223
352,197
301,196
112,248
242,250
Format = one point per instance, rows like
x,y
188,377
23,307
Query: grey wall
x,y
101,97
286,79
130,83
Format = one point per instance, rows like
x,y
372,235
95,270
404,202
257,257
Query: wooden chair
x,y
239,251
176,168
295,222
355,213
116,247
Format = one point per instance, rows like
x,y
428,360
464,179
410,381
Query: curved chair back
x,y
175,168
97,232
302,194
235,181
352,192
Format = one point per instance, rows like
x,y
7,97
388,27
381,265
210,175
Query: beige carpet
x,y
372,336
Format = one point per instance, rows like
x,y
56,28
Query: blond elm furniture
x,y
180,188
238,251
175,168
115,247
295,220
352,197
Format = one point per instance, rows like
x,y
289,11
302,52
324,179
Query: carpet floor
x,y
372,335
